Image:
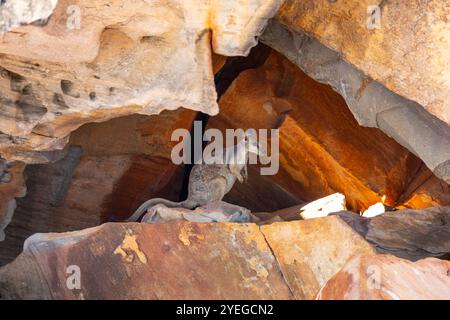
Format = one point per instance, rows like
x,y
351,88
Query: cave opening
x,y
108,169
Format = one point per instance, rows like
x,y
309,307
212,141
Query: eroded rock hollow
x,y
91,93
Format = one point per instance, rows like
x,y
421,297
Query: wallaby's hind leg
x,y
218,189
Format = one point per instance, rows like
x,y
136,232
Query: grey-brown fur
x,y
207,183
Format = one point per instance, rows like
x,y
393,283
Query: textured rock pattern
x,y
370,102
119,59
13,13
311,251
410,234
185,260
323,150
426,191
385,277
177,261
409,53
108,170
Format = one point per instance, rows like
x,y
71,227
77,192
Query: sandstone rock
x,y
217,211
410,234
370,102
119,59
12,186
17,278
425,191
133,135
385,277
310,252
324,206
235,34
107,172
323,150
17,12
142,261
409,53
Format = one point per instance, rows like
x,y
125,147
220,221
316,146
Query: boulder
x,y
385,277
181,260
412,234
310,252
216,211
409,234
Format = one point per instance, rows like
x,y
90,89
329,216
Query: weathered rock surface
x,y
370,102
260,193
385,277
426,191
98,60
409,53
323,150
311,251
177,261
107,172
410,234
216,211
17,12
322,258
12,186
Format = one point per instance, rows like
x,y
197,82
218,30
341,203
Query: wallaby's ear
x,y
245,173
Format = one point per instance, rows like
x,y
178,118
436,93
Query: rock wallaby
x,y
210,182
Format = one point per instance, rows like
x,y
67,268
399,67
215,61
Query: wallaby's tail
x,y
153,202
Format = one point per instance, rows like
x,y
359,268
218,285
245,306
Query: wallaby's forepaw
x,y
234,170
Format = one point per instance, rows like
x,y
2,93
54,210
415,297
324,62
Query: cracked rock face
x,y
96,60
